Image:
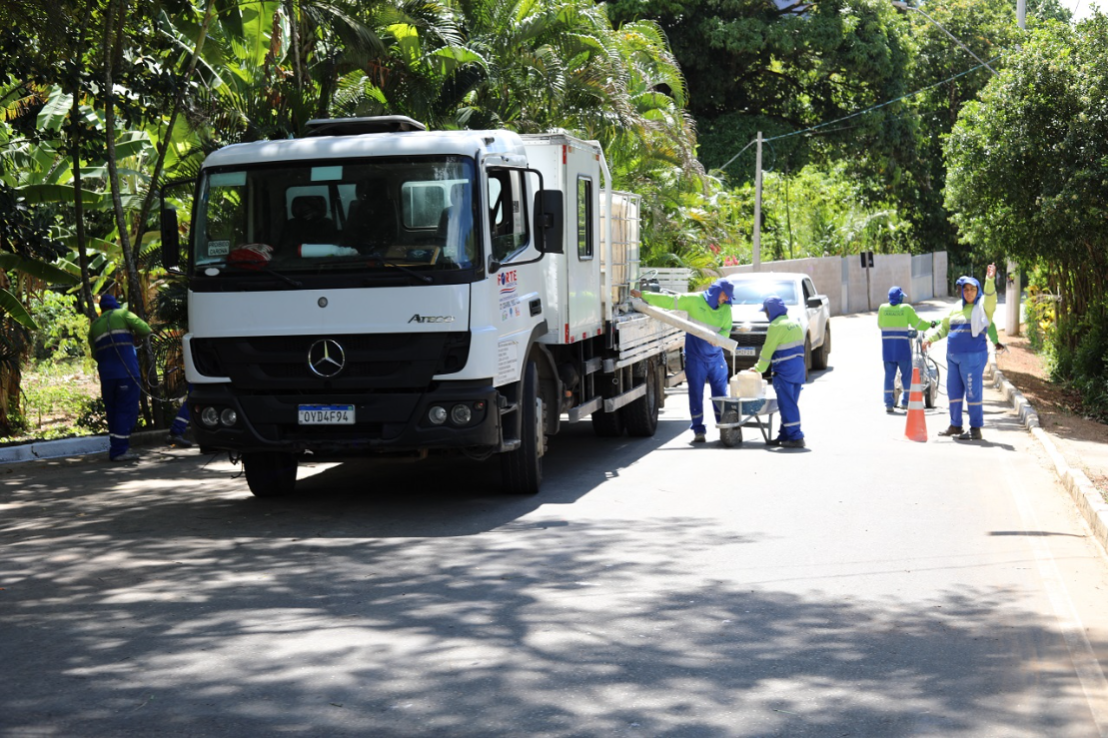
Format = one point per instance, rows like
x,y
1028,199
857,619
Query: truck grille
x,y
372,361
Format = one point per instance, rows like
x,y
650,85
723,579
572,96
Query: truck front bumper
x,y
384,422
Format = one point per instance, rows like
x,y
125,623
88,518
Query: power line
x,y
863,112
886,103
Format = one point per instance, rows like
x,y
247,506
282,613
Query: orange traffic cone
x,y
916,429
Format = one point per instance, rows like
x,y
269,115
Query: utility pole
x,y
1012,292
756,255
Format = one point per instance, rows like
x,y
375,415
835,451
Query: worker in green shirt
x,y
112,338
704,362
967,352
784,351
898,321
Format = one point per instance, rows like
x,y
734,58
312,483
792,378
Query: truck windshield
x,y
403,214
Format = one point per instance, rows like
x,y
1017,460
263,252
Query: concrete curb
x,y
75,447
1085,496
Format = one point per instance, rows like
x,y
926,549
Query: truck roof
x,y
410,143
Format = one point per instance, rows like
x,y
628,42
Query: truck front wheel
x,y
270,474
521,469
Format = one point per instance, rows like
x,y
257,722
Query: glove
x,y
934,324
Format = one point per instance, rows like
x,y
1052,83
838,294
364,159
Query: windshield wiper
x,y
253,268
381,261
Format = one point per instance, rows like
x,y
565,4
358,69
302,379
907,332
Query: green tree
x,y
1027,176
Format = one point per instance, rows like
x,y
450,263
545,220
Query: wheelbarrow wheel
x,y
730,437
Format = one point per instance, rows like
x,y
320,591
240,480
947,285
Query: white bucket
x,y
747,385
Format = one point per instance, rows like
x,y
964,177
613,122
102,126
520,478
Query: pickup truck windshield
x,y
310,217
753,292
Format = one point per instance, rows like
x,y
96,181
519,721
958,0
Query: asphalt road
x,y
865,586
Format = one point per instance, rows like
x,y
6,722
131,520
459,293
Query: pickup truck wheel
x,y
821,355
521,469
641,416
734,436
807,357
270,474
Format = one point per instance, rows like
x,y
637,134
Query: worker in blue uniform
x,y
704,362
897,320
112,338
784,351
967,352
180,425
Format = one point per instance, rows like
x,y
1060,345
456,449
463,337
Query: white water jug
x,y
747,385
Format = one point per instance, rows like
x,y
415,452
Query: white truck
x,y
377,288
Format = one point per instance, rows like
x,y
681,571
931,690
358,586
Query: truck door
x,y
515,288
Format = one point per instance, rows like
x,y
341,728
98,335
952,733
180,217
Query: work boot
x,y
127,456
890,408
699,439
793,444
179,440
952,431
974,434
773,442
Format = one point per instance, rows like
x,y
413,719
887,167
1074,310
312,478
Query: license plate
x,y
326,415
746,351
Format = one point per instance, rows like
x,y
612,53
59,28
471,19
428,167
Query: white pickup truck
x,y
797,290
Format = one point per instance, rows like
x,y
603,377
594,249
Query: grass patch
x,y
61,399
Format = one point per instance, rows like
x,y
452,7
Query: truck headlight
x,y
461,414
209,417
228,417
437,414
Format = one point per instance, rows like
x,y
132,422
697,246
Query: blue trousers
x,y
121,399
698,371
181,422
788,395
905,366
965,378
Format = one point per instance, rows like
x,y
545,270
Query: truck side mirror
x,y
549,221
814,302
171,242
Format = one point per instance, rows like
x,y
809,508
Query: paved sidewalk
x,y
78,446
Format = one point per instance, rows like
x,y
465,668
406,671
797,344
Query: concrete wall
x,y
938,274
844,281
923,281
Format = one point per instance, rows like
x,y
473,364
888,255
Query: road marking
x,y
1085,663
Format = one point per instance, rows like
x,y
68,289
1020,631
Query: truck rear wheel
x,y
607,425
641,416
521,470
270,474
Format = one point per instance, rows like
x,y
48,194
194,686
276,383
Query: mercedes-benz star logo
x,y
326,358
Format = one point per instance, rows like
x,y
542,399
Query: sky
x,y
1083,8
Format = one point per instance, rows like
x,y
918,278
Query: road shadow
x,y
570,630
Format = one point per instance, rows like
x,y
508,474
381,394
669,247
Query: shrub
x,y
63,331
